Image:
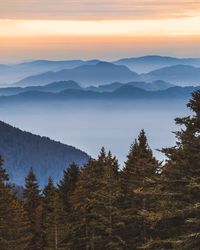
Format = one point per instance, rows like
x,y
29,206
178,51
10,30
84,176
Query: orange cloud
x,y
31,28
95,10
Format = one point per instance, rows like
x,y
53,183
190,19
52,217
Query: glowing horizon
x,y
104,29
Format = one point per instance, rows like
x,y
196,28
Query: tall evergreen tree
x,y
67,184
20,226
65,189
54,219
14,223
140,163
5,201
98,220
137,178
83,203
177,223
32,198
49,220
32,204
109,199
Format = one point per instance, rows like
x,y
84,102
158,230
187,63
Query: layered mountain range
x,y
152,78
178,71
70,90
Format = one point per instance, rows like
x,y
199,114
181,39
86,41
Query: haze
x,y
89,126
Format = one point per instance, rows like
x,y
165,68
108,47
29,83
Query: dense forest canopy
x,y
145,205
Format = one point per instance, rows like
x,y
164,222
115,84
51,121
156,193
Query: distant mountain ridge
x,y
100,73
56,87
52,87
126,92
145,64
15,72
182,75
22,150
96,72
104,73
149,86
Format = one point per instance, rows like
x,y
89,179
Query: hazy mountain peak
x,y
100,73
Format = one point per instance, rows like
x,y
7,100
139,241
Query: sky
x,y
105,29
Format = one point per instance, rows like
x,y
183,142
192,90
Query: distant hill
x,y
53,65
149,86
13,73
105,87
16,72
104,73
152,86
125,92
100,73
56,87
182,75
22,150
129,92
52,87
146,64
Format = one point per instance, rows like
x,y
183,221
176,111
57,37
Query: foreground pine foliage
x,y
146,205
15,227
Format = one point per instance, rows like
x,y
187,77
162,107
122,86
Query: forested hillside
x,y
22,150
146,205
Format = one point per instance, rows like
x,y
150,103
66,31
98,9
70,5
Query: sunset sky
x,y
107,29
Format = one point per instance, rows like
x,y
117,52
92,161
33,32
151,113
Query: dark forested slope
x,y
22,150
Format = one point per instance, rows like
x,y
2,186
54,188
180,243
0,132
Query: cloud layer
x,y
128,28
101,9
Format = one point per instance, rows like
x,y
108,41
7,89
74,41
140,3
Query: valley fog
x,y
91,125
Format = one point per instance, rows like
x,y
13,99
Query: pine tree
x,y
109,198
140,163
54,219
65,189
49,220
83,202
32,198
19,226
67,184
98,220
5,215
32,204
177,222
14,223
138,178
